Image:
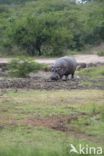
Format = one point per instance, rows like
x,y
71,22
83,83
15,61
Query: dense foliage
x,y
13,1
43,27
21,67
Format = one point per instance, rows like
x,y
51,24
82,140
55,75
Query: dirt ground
x,y
61,123
80,58
41,80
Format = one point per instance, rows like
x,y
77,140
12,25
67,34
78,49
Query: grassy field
x,y
94,72
93,76
45,123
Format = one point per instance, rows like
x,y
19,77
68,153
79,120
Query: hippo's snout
x,y
55,76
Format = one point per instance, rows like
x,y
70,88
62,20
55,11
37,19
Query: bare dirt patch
x,y
41,81
89,58
57,123
80,58
61,123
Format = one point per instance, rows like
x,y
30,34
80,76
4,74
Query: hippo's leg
x,y
72,75
65,77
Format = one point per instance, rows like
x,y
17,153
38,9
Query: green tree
x,y
46,27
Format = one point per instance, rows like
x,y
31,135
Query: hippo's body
x,y
63,67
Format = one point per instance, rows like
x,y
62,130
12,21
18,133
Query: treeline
x,y
13,1
44,27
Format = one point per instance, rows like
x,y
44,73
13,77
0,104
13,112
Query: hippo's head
x,y
56,73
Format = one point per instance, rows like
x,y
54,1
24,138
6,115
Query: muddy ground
x,y
41,80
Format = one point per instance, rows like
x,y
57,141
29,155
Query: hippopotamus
x,y
63,66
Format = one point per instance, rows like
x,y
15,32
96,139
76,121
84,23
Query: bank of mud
x,y
41,81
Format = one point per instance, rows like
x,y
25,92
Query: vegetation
x,y
50,28
46,122
22,67
20,111
101,53
93,72
92,76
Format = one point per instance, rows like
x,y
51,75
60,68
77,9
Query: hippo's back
x,y
68,61
68,64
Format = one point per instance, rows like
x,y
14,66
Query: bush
x,y
92,72
101,53
50,28
22,67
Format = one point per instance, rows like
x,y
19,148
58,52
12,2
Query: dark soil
x,y
41,81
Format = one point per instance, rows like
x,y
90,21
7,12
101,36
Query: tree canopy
x,y
43,27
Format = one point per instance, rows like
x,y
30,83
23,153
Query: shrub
x,y
22,67
101,53
93,72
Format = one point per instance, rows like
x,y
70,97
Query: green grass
x,y
93,76
19,138
28,141
94,72
100,53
